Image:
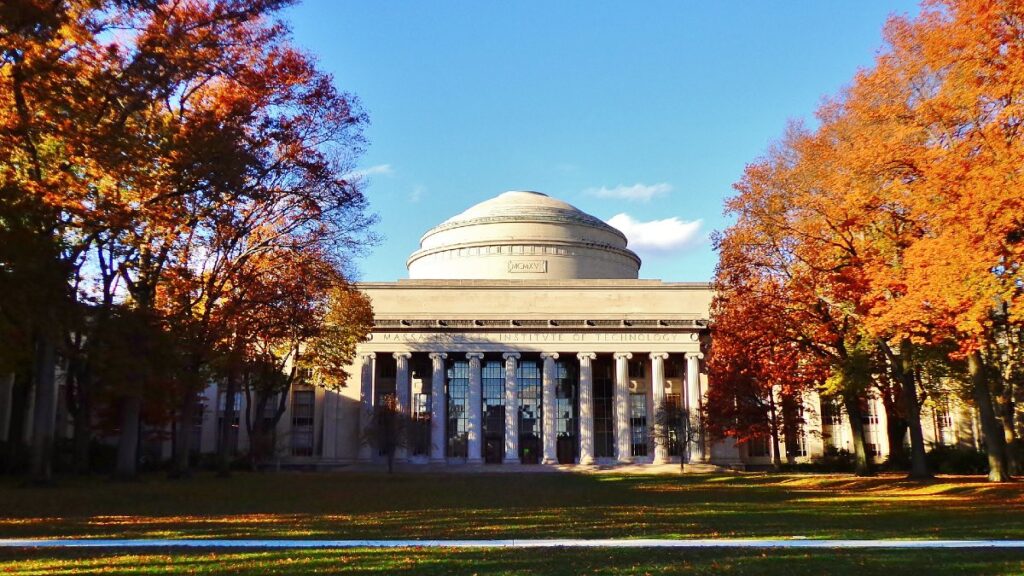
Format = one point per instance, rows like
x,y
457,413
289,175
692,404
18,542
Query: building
x,y
524,336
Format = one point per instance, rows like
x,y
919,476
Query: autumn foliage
x,y
173,177
890,232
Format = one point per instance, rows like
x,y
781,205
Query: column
x,y
622,433
475,428
548,407
438,408
586,408
511,409
696,437
660,435
403,400
366,406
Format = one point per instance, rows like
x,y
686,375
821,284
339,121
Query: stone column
x,y
403,401
438,408
660,435
476,426
586,408
550,432
622,432
366,382
511,409
696,447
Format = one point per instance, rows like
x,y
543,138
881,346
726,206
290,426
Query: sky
x,y
643,114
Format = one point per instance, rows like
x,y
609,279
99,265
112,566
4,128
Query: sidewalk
x,y
548,543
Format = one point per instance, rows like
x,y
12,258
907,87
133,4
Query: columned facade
x,y
524,337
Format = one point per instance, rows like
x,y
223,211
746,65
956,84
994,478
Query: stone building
x,y
524,336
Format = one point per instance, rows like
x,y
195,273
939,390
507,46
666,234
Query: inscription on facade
x,y
535,266
523,338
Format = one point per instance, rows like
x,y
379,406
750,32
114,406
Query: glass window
x,y
530,382
604,402
235,420
674,422
419,437
831,412
302,422
636,368
566,409
758,447
458,414
638,423
492,380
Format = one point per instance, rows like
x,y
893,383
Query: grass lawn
x,y
504,561
351,505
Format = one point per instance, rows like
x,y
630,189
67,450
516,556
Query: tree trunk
x,y
863,465
82,422
1008,409
180,467
44,373
226,425
995,442
128,440
912,408
773,414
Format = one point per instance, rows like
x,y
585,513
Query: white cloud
x,y
417,193
639,191
379,169
658,236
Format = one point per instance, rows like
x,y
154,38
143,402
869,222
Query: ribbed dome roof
x,y
522,234
524,206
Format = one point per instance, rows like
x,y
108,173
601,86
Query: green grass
x,y
494,561
351,505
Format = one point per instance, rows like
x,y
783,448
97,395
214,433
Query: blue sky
x,y
643,114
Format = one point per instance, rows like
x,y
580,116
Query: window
x,y
420,434
302,422
674,421
604,421
492,375
831,412
636,369
387,368
758,447
458,416
672,368
638,424
530,382
801,443
566,423
943,414
232,440
868,413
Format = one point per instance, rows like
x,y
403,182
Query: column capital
x,y
697,355
400,355
546,355
437,355
586,355
368,356
512,355
621,355
474,355
658,355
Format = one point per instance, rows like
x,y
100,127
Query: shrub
x,y
957,460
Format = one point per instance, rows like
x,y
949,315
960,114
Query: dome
x,y
523,235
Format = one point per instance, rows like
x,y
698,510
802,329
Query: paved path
x,y
549,543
